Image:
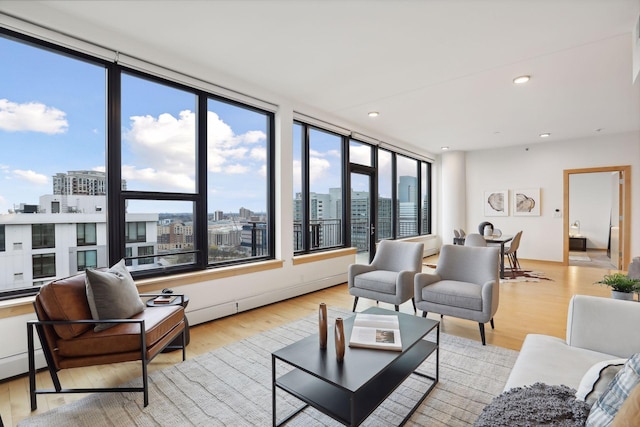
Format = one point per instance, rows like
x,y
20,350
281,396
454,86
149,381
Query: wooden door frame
x,y
625,233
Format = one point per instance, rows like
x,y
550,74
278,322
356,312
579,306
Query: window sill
x,y
20,306
320,256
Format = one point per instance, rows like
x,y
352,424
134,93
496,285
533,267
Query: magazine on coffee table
x,y
377,331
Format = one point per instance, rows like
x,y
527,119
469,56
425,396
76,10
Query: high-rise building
x,y
89,183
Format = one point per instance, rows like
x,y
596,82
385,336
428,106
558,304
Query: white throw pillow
x,y
597,379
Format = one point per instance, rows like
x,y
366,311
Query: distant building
x,y
88,183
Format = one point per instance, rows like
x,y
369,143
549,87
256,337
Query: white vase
x,y
622,295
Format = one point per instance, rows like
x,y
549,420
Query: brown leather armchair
x,y
66,331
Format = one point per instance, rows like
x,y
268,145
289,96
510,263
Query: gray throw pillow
x,y
112,294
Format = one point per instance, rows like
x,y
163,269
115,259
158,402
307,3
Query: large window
x,y
318,206
237,179
407,196
425,197
123,144
385,195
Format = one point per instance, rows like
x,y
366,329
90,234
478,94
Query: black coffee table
x,y
350,391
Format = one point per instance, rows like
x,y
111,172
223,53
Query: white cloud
x,y
263,171
158,179
259,154
31,117
236,169
318,168
31,176
163,149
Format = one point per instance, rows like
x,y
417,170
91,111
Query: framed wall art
x,y
496,203
526,202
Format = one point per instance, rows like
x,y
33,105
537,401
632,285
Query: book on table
x,y
377,331
165,299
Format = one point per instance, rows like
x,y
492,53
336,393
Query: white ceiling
x,y
439,72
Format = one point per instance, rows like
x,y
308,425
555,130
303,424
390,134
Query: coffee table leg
x,y
273,389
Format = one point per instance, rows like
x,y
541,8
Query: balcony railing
x,y
323,233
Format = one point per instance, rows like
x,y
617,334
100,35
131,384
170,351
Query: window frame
x,y
305,190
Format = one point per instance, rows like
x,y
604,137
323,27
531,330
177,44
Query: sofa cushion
x,y
455,294
66,299
596,381
379,281
550,360
112,294
607,406
123,338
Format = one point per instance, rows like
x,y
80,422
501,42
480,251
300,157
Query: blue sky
x,y
52,119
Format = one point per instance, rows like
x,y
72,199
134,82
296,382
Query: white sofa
x,y
598,329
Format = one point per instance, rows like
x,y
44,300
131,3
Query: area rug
x,y
231,386
520,275
579,258
523,276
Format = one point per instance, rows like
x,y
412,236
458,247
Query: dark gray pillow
x,y
112,294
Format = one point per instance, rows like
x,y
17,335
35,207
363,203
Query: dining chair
x,y
511,253
475,239
456,233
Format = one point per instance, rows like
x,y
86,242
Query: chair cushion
x,y
123,338
378,281
455,294
66,299
112,294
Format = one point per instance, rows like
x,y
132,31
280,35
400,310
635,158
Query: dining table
x,y
501,240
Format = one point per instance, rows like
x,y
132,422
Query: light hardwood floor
x,y
528,307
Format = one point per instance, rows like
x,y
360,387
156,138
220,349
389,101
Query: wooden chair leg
x,y
413,301
355,302
482,333
397,307
492,326
424,314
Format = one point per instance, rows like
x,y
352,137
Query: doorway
x,y
619,242
363,214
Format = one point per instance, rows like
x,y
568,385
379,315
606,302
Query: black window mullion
x,y
306,185
200,214
115,200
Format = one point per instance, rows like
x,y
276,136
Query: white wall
x,y
541,165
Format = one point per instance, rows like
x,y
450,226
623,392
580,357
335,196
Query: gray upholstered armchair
x,y
465,284
389,277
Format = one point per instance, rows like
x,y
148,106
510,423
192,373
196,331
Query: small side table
x,y
578,244
187,336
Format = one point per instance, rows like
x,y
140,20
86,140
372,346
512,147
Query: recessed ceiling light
x,y
521,79
373,114
545,135
444,148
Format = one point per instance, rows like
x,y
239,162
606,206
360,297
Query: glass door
x,y
363,230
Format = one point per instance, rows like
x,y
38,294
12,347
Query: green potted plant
x,y
622,286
